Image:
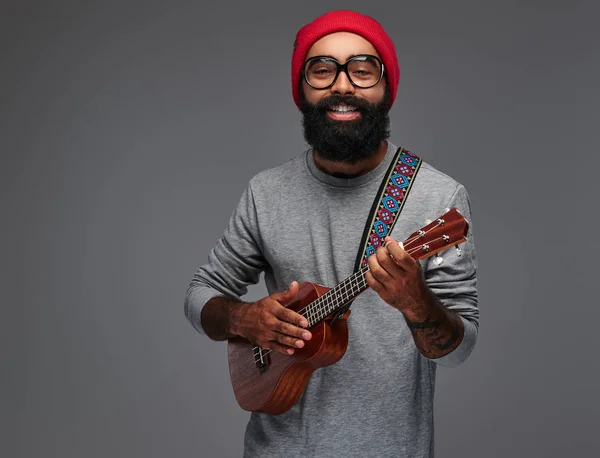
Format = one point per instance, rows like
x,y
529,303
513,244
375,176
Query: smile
x,y
342,109
343,112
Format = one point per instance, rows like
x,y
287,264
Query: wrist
x,y
422,309
236,318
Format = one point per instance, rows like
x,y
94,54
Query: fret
x,y
345,293
317,311
330,305
320,309
331,301
338,295
356,285
327,304
352,285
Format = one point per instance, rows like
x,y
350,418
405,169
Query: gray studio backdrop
x,y
129,130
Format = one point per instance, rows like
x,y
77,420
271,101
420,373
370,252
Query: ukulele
x,y
270,382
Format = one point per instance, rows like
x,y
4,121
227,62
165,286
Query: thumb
x,y
288,294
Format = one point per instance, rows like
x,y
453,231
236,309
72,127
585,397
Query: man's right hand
x,y
269,324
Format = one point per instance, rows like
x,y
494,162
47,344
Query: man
x,y
303,221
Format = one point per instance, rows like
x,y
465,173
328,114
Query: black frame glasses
x,y
344,68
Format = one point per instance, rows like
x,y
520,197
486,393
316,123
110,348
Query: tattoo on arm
x,y
436,337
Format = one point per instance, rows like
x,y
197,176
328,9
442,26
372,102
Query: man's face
x,y
343,122
341,46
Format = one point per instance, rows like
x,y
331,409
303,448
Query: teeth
x,y
342,108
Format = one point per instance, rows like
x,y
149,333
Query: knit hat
x,y
345,21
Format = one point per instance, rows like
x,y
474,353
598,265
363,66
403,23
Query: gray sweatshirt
x,y
295,222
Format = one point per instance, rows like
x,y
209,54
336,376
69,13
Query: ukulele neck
x,y
448,230
336,298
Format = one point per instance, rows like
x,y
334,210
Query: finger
x,y
289,340
399,254
294,331
279,348
384,259
378,272
373,283
290,316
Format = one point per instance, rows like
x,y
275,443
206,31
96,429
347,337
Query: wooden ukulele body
x,y
277,386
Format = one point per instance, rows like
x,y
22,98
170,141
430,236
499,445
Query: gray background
x,y
128,132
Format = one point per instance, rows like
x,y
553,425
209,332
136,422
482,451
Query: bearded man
x,y
304,220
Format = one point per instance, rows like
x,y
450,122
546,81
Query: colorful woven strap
x,y
386,208
388,204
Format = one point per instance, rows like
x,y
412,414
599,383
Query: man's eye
x,y
361,73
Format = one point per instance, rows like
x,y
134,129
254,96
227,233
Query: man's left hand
x,y
397,278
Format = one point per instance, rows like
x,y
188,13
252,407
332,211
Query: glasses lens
x,y
320,73
364,71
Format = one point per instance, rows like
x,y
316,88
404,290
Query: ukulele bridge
x,y
261,358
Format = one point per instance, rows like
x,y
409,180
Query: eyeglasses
x,y
363,71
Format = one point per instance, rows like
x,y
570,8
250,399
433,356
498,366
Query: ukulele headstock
x,y
449,230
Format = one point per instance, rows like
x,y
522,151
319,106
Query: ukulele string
x,y
265,352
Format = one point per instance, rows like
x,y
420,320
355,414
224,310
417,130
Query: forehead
x,y
341,46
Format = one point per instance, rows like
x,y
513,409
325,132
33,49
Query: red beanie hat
x,y
345,21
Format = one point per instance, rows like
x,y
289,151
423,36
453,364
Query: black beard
x,y
346,141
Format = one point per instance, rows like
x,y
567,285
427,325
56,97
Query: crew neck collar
x,y
350,182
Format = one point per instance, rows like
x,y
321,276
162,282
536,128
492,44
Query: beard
x,y
346,141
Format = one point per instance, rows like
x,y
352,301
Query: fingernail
x,y
401,245
306,336
290,351
299,344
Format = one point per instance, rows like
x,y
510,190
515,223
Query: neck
x,y
345,170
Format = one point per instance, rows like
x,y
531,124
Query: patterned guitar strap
x,y
388,203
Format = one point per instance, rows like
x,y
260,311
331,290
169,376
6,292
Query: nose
x,y
342,85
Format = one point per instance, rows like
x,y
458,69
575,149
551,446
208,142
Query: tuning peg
x,y
428,221
458,251
437,260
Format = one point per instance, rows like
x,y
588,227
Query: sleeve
x,y
454,282
235,262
